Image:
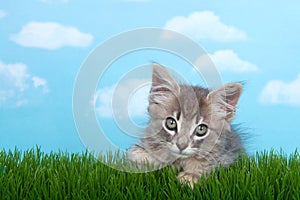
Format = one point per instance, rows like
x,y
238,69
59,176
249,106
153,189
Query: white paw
x,y
188,178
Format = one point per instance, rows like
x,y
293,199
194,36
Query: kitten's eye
x,y
171,124
201,130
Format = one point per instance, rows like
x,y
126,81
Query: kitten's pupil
x,y
201,130
171,124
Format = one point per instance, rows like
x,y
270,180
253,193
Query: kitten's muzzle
x,y
181,146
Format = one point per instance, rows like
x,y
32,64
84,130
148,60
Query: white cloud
x,y
205,25
227,60
280,92
40,82
2,14
102,101
51,35
15,81
15,75
137,103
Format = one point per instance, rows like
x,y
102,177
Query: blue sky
x,y
43,44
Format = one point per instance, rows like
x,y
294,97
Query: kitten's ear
x,y
163,84
226,99
162,80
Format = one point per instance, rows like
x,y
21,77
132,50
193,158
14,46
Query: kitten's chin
x,y
182,155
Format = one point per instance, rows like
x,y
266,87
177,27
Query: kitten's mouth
x,y
185,153
181,154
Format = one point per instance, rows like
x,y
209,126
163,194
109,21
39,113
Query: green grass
x,y
36,175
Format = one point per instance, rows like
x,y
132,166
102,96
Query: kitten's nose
x,y
181,146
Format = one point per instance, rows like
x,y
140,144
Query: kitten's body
x,y
189,127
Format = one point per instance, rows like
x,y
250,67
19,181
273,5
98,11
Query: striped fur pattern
x,y
189,127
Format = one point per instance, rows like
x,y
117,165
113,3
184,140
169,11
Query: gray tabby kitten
x,y
189,126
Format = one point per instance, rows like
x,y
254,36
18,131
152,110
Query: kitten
x,y
189,126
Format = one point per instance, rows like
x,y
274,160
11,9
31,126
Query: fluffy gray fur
x,y
189,106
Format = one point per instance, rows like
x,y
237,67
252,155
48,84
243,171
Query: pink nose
x,y
181,146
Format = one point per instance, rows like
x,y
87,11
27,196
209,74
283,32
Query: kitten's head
x,y
190,120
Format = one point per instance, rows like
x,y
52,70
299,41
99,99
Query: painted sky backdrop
x,y
44,42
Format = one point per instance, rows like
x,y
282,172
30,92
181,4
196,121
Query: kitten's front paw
x,y
189,178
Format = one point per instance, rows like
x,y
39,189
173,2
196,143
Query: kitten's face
x,y
190,120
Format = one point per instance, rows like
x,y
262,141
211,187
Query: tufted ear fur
x,y
224,100
164,86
